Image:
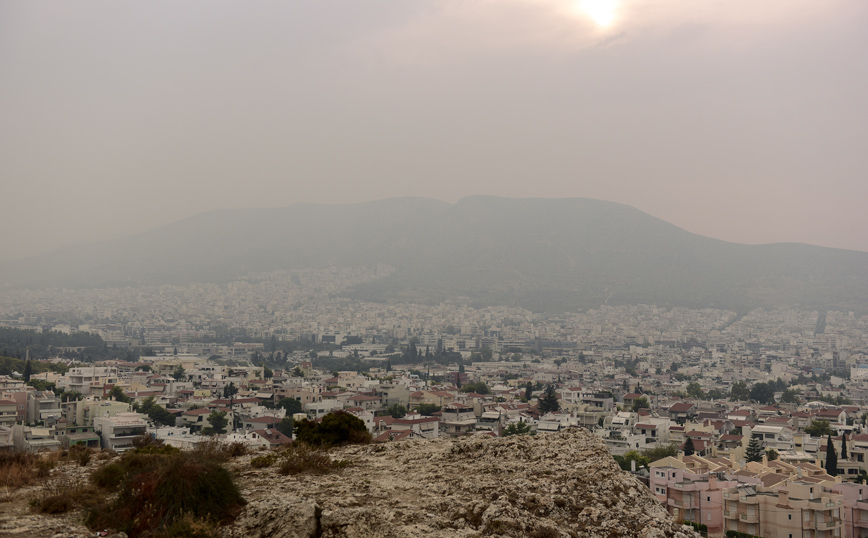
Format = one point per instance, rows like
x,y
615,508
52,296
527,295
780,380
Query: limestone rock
x,y
545,486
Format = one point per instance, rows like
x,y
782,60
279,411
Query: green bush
x,y
108,476
156,490
336,429
700,527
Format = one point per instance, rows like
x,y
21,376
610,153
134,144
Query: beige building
x,y
790,509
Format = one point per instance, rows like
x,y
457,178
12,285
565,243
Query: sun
x,y
602,12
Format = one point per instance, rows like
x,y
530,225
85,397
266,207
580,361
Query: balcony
x,y
748,518
730,515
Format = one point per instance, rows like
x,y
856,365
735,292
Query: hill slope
x,y
545,254
549,485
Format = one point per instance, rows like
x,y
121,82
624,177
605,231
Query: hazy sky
x,y
736,119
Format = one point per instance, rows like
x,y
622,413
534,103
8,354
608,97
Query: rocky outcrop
x,y
544,486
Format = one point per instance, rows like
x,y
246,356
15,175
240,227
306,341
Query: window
x,y
790,517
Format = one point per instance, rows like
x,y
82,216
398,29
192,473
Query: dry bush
x,y
236,449
56,504
300,458
18,469
260,462
188,526
80,454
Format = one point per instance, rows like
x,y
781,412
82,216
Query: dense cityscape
x,y
717,412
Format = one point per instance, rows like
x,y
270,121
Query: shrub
x,y
190,527
80,454
157,490
17,469
236,449
260,462
300,458
55,504
108,476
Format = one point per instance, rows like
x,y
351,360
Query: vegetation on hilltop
x,y
42,345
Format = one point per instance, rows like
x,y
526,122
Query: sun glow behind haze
x,y
602,12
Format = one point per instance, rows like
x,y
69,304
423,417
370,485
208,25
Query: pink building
x,y
693,496
855,511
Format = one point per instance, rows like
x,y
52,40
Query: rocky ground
x,y
563,485
545,486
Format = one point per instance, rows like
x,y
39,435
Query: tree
x,y
286,426
695,391
548,403
267,373
478,388
218,422
630,456
230,390
754,451
689,449
118,395
831,457
396,411
640,403
772,454
427,409
178,374
739,392
762,393
296,372
660,452
335,429
844,446
143,368
516,428
291,405
161,415
819,428
790,396
28,371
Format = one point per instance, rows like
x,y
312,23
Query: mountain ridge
x,y
545,254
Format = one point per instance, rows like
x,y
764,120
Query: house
x,y
681,412
270,438
457,420
426,427
260,423
117,432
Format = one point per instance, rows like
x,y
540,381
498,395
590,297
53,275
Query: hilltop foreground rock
x,y
544,486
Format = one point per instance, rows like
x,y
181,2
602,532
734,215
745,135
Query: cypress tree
x,y
831,457
844,446
689,449
28,371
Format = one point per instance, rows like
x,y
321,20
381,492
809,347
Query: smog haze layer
x,y
738,121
